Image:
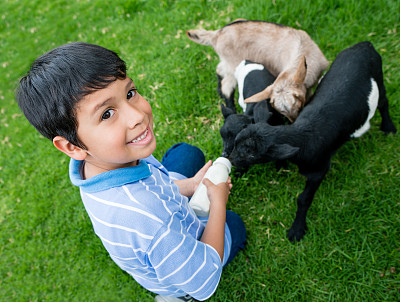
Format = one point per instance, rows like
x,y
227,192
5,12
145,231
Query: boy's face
x,y
116,126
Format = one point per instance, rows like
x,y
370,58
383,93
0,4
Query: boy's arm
x,y
201,259
214,232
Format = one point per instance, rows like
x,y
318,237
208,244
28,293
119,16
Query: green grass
x,y
48,250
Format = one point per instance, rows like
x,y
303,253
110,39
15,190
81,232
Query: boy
x,y
79,96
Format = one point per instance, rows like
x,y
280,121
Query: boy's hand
x,y
199,176
188,186
218,193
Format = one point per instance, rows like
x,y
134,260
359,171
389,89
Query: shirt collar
x,y
109,179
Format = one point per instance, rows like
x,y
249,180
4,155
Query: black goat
x,y
341,108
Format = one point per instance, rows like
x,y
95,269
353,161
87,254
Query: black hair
x,y
57,80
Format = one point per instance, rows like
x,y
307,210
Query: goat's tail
x,y
202,36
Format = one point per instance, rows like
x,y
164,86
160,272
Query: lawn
x,y
48,250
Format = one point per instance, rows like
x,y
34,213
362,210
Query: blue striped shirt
x,y
149,229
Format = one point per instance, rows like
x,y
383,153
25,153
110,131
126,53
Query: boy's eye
x,y
131,93
107,114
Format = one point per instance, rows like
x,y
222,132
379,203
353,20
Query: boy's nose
x,y
133,116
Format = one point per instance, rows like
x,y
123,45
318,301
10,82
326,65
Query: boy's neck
x,y
89,169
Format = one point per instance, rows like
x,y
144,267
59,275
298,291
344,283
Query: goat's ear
x,y
282,151
301,71
226,111
262,117
261,112
258,97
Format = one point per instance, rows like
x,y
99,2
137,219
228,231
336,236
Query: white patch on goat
x,y
241,71
320,79
373,99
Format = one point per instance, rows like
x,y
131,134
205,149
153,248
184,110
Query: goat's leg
x,y
229,99
299,226
226,83
387,123
383,105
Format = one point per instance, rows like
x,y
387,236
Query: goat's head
x,y
233,124
257,144
288,93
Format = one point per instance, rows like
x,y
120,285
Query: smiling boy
x,y
79,96
116,125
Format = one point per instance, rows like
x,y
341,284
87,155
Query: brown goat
x,y
289,54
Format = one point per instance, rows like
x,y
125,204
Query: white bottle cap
x,y
224,161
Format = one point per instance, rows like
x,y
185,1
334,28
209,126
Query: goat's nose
x,y
293,114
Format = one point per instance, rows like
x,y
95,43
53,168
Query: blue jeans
x,y
184,159
188,160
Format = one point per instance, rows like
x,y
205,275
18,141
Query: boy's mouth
x,y
143,138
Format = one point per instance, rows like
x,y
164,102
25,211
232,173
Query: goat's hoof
x,y
296,234
388,127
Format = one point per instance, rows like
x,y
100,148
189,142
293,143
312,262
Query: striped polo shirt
x,y
149,229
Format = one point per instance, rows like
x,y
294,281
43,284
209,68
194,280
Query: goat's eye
x,y
131,93
107,114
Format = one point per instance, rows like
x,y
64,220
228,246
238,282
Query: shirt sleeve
x,y
181,261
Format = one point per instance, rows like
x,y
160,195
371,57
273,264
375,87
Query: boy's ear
x,y
62,144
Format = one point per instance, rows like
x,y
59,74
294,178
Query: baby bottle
x,y
217,173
